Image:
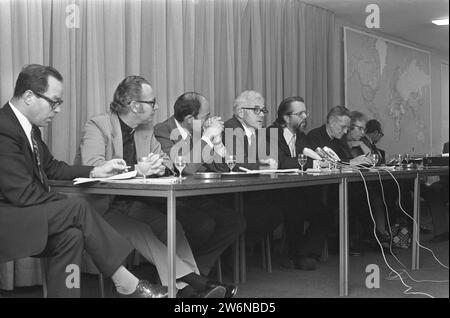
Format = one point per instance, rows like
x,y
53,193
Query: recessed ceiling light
x,y
440,21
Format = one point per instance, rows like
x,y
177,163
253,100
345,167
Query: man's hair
x,y
245,99
357,116
34,77
373,125
338,111
285,108
128,90
187,104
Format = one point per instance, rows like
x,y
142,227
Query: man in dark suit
x,y
37,222
333,134
304,248
241,140
192,133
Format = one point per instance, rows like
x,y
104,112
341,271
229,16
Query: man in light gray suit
x,y
126,132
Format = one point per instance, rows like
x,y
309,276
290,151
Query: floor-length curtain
x,y
219,48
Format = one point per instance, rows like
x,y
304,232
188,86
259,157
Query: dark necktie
x,y
37,157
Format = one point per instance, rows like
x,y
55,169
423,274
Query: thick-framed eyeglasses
x,y
300,114
258,109
53,103
152,103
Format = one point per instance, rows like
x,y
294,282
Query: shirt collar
x,y
24,122
248,132
288,134
183,132
125,128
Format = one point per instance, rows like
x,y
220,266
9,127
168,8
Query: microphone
x,y
325,156
331,153
311,154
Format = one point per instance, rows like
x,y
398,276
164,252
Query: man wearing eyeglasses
x,y
127,132
242,139
304,249
338,124
37,222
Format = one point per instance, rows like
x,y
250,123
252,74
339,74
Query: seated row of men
x,y
37,222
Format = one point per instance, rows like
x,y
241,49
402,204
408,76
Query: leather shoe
x,y
305,263
146,290
439,238
231,290
213,292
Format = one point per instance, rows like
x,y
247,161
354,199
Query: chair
x,y
44,265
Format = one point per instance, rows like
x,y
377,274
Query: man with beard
x,y
304,248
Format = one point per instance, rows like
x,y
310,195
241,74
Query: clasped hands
x,y
115,166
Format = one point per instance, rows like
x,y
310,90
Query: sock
x,y
124,281
195,281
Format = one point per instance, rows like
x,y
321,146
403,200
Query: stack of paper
x,y
122,176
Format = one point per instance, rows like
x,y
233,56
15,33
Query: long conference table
x,y
195,187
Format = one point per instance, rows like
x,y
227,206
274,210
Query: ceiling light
x,y
440,21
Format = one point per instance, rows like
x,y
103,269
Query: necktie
x,y
292,146
37,157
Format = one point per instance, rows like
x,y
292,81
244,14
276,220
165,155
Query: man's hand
x,y
110,168
361,160
268,164
213,129
156,164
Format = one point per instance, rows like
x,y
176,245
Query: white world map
x,y
390,82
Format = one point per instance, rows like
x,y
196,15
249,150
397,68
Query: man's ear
x,y
27,96
134,107
240,113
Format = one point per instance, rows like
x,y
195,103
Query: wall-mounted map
x,y
390,82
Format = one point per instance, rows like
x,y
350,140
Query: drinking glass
x,y
231,162
143,166
407,158
399,158
301,160
180,164
375,158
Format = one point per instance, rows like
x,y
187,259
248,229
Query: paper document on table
x,y
269,170
161,180
121,176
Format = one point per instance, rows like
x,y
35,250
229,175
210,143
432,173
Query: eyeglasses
x,y
360,128
152,103
381,133
257,109
53,103
300,114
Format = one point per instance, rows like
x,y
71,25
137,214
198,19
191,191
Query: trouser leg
x,y
64,252
107,248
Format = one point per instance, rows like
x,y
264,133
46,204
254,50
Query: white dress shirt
x,y
290,138
24,122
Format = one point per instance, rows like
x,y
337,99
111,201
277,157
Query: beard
x,y
302,126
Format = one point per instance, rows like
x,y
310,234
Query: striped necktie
x,y
37,157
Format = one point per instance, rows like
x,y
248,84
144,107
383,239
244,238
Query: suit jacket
x,y
24,233
246,155
318,137
204,158
102,141
285,161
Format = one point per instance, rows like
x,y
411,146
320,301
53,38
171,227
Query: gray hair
x,y
247,99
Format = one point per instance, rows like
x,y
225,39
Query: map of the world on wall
x,y
390,82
